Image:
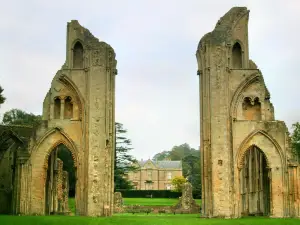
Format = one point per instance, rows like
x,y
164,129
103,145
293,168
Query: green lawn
x,y
140,219
140,201
153,201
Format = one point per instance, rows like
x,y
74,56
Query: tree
x,y
20,117
161,156
177,182
295,139
124,162
2,98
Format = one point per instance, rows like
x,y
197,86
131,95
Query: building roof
x,y
166,164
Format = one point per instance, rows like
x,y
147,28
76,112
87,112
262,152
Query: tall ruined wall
x,y
78,112
237,114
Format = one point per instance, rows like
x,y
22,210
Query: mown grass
x,y
153,201
151,219
140,201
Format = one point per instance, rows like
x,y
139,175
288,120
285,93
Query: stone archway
x,y
60,179
272,176
39,168
255,180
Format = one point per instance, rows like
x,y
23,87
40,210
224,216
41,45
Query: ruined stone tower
x,y
79,110
247,165
78,113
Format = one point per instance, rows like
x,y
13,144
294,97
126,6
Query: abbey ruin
x,y
78,112
247,164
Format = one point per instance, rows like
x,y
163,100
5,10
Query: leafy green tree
x,y
295,139
2,98
20,117
177,182
124,162
191,168
161,156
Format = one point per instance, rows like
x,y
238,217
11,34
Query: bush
x,y
148,193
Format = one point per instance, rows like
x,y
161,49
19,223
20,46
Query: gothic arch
x,y
240,154
237,56
77,55
60,131
70,148
78,98
255,77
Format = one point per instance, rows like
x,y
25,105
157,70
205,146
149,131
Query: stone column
x,y
62,108
65,190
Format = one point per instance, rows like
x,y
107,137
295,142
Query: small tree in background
x,y
2,98
177,182
295,139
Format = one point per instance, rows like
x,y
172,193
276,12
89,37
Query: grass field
x,y
126,219
140,201
141,218
153,201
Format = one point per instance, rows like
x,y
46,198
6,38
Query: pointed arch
x,y
255,77
70,148
244,146
237,56
78,55
68,142
78,96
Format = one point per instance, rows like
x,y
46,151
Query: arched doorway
x,y
60,182
255,183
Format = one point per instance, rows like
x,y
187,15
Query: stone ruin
x,y
58,189
246,160
186,202
247,164
78,113
118,202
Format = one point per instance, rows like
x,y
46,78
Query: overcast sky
x,y
157,89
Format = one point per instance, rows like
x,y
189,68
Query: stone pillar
x,y
118,202
65,191
62,108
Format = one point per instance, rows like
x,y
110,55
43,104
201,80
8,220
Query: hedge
x,y
154,193
148,193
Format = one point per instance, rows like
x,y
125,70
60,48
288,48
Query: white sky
x,y
157,96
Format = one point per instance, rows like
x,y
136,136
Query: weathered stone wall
x,y
118,202
186,201
236,114
79,112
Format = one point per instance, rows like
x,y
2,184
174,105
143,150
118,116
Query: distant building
x,y
155,175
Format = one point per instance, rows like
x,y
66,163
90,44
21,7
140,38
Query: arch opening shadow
x,y
255,180
60,182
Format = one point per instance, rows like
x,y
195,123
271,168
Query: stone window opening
x,y
237,56
68,110
251,108
78,56
57,108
